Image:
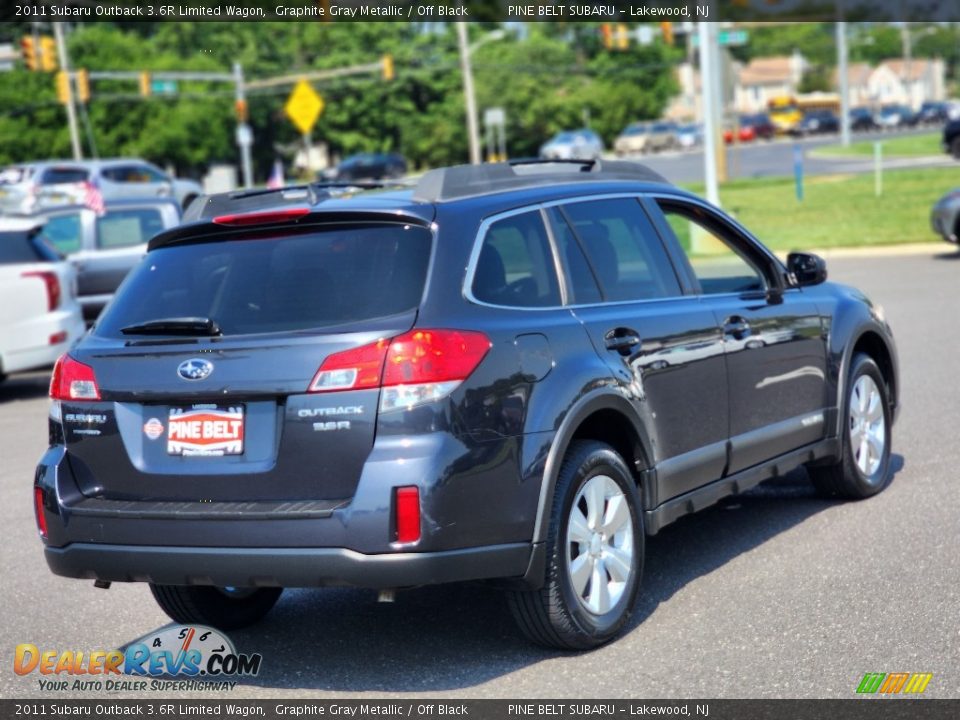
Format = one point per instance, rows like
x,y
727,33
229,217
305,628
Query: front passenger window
x,y
719,266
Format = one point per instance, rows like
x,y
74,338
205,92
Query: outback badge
x,y
194,369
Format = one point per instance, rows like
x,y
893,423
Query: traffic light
x,y
83,85
145,84
388,73
29,52
240,107
48,54
606,35
63,87
666,29
623,39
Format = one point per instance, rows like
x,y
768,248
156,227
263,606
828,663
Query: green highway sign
x,y
163,87
727,37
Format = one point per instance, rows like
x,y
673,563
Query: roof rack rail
x,y
462,181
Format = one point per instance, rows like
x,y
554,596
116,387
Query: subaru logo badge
x,y
195,369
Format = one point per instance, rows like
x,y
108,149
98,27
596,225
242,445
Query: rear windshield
x,y
319,278
24,247
56,176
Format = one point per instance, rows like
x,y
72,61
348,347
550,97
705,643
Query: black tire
x,y
555,616
955,147
219,608
845,478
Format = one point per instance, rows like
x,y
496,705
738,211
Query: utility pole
x,y
244,133
71,110
719,102
844,83
710,131
473,133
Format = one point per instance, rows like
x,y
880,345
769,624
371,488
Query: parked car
x,y
104,247
945,217
757,125
689,136
369,166
951,138
39,315
933,113
818,122
646,138
862,120
893,117
27,187
513,371
582,144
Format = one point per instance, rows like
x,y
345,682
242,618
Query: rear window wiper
x,y
175,326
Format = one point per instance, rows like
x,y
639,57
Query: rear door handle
x,y
623,340
737,327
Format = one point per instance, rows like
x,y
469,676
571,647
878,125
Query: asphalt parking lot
x,y
773,594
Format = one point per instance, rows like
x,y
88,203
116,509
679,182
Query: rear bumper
x,y
285,567
34,349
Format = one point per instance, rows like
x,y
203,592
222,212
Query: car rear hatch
x,y
208,364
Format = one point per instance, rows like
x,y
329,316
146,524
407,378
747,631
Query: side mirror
x,y
807,268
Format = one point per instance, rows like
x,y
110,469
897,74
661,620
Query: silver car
x,y
945,216
103,248
581,144
28,187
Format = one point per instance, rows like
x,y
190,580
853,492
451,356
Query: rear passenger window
x,y
624,251
581,283
123,228
515,267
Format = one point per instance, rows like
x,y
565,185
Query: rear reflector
x,y
262,218
58,338
72,380
407,504
38,509
416,367
52,284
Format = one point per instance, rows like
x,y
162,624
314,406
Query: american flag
x,y
275,180
93,198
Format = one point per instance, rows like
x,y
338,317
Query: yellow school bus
x,y
786,111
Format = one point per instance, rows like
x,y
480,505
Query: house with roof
x,y
909,82
765,78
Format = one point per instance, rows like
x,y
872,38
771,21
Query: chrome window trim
x,y
541,207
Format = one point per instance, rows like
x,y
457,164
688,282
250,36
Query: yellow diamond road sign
x,y
304,106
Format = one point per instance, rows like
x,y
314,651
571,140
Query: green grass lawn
x,y
909,146
839,210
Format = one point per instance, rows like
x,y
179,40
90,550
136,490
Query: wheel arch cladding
x,y
607,418
870,343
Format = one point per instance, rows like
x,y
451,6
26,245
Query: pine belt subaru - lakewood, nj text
x,y
508,372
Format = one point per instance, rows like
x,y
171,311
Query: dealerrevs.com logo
x,y
179,657
894,683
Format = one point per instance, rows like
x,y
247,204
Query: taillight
x,y
407,509
72,380
354,369
262,218
426,365
52,284
416,367
38,509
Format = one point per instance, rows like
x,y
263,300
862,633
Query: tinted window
x,y
64,232
132,174
624,252
123,228
21,247
716,260
581,284
515,267
261,283
56,176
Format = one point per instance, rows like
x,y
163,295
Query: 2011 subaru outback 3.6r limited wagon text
x,y
511,372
